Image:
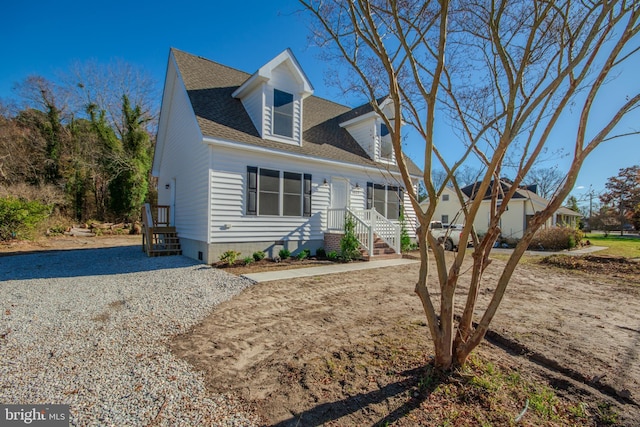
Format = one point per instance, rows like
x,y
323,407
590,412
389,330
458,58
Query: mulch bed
x,y
239,267
612,265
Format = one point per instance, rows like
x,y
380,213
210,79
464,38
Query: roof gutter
x,y
262,150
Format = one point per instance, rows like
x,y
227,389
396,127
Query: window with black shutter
x,y
252,190
271,192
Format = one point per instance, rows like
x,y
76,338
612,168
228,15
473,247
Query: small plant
x,y
405,240
229,257
248,260
349,245
284,253
321,253
304,254
579,410
258,256
332,256
606,414
543,401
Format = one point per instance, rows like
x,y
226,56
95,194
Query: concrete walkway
x,y
325,269
268,276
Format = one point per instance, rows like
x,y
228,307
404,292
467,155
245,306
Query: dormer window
x,y
386,148
276,113
282,113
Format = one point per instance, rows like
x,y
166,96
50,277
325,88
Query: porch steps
x,y
381,250
164,241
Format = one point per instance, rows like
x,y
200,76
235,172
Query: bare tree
x,y
101,87
503,72
546,180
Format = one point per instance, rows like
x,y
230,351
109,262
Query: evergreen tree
x,y
129,187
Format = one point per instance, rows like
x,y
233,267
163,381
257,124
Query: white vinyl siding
x,y
185,158
364,134
229,221
253,103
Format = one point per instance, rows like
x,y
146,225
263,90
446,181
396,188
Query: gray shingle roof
x,y
219,115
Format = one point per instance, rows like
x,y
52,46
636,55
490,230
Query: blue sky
x,y
45,37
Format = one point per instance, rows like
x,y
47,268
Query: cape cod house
x,y
255,162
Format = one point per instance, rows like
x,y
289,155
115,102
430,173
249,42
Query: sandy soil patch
x,y
16,247
310,350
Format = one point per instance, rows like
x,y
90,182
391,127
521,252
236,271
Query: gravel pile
x,y
90,329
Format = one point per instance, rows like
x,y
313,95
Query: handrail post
x,y
372,227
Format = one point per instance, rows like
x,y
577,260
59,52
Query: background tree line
x,y
82,143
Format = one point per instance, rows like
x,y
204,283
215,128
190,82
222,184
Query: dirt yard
x,y
350,349
353,349
67,243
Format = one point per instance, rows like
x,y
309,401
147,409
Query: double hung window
x,y
386,199
282,113
276,193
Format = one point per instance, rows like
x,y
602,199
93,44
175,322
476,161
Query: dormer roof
x,y
265,74
220,115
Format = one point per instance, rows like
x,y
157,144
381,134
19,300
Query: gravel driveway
x,y
89,328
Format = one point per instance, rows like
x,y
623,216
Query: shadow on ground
x,y
332,411
85,262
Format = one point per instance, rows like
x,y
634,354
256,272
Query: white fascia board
x,y
264,74
252,82
370,115
167,95
255,149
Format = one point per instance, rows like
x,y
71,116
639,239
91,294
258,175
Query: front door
x,y
339,193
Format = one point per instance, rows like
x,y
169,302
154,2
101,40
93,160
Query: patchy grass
x,y
619,246
487,391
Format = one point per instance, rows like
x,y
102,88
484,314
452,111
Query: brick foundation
x,y
332,241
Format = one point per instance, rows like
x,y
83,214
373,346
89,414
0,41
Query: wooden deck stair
x,y
164,241
381,250
158,237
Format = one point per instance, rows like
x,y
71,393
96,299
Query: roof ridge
x,y
250,74
210,60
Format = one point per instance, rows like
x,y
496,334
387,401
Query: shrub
x,y
19,217
405,240
304,254
556,239
248,260
258,256
321,253
284,253
349,245
332,255
229,257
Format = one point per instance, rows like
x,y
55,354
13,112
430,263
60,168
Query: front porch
x,y
378,236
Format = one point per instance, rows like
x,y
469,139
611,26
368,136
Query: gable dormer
x,y
273,97
370,131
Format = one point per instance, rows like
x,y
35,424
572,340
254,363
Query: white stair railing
x,y
368,222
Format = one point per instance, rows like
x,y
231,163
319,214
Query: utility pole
x,y
590,203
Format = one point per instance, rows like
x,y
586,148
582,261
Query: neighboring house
x,y
448,210
255,162
523,205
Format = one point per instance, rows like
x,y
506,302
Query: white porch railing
x,y
368,222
